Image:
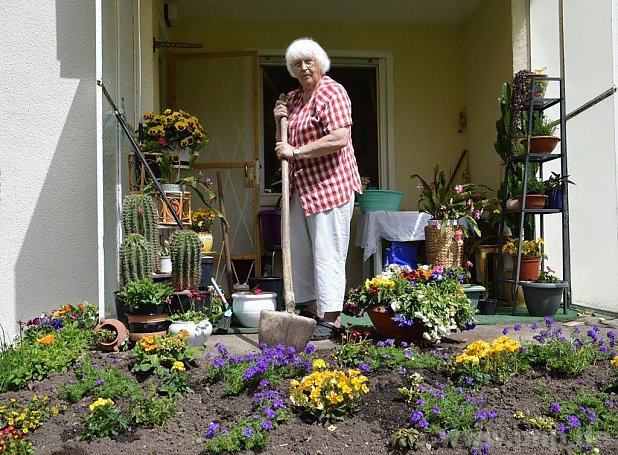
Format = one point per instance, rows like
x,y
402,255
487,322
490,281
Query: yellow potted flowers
x,y
531,255
201,223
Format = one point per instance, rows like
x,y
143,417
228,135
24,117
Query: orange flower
x,y
48,339
64,310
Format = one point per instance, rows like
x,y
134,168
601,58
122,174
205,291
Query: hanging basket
x,y
441,246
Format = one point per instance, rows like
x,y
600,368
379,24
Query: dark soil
x,y
368,432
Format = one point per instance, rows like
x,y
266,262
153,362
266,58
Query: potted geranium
x,y
543,296
531,255
420,305
449,205
194,321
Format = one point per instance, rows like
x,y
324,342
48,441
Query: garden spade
x,y
285,327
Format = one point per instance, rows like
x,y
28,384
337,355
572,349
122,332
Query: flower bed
x,y
555,391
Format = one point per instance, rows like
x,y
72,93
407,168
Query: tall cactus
x,y
135,259
185,249
140,216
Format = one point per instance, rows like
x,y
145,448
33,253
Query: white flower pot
x,y
165,264
198,331
247,306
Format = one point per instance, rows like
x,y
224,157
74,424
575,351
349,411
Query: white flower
x,y
395,306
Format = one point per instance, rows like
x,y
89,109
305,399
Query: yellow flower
x,y
614,361
179,366
48,339
100,402
180,126
319,364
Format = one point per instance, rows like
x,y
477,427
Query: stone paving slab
x,y
242,343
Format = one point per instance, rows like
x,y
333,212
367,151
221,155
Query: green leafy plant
x,y
175,381
145,292
547,276
164,250
534,186
105,419
249,433
541,126
556,181
104,383
447,201
432,297
149,410
405,439
104,335
329,395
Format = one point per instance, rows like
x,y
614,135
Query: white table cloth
x,y
393,226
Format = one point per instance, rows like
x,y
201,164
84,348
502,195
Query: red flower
x,y
256,290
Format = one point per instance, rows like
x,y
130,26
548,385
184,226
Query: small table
x,y
394,226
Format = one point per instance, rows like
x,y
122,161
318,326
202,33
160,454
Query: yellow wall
x,y
437,71
488,64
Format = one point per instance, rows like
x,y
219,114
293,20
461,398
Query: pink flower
x,y
469,264
477,214
459,237
420,187
162,141
438,269
459,189
438,225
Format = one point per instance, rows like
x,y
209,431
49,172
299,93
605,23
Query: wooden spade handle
x,y
288,290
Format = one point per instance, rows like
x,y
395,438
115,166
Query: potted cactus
x,y
138,252
185,251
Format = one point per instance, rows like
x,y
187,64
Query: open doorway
x,y
360,81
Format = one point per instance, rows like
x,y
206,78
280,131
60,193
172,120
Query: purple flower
x,y
485,448
442,436
309,348
492,414
114,360
610,404
517,327
549,321
554,407
222,350
435,410
386,356
264,383
364,367
417,416
480,416
573,421
420,402
100,381
212,430
505,331
534,326
267,425
561,428
389,342
408,353
269,413
423,424
469,380
218,362
247,432
380,344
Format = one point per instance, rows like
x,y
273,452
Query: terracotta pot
x,y
540,144
533,201
382,319
121,334
530,268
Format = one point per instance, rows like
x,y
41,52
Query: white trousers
x,y
319,248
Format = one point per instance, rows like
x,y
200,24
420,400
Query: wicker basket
x,y
441,246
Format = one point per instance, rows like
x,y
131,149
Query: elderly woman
x,y
323,179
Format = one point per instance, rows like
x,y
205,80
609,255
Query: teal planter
x,y
474,293
374,200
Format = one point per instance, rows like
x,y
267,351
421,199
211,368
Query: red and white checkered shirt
x,y
328,181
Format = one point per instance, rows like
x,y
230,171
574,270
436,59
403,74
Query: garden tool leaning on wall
x,y
285,327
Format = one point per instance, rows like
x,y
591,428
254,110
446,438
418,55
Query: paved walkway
x,y
238,344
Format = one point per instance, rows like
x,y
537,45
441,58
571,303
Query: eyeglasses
x,y
299,63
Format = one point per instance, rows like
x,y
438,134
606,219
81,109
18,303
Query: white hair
x,y
303,48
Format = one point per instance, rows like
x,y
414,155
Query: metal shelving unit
x,y
539,105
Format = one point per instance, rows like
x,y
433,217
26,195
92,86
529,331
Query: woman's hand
x,y
279,111
284,151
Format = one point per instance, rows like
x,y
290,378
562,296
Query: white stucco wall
x,y
590,68
48,159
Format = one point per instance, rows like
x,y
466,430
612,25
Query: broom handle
x,y
226,243
288,290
